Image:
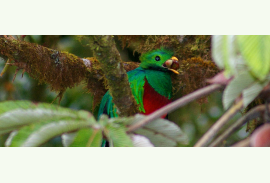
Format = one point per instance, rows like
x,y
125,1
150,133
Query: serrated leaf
x,y
87,138
161,132
20,117
140,141
235,60
11,105
117,135
38,123
8,106
235,88
252,92
226,54
24,104
14,117
255,50
37,134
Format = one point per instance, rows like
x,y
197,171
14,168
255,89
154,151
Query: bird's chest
x,y
152,100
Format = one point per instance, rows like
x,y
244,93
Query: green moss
x,y
56,68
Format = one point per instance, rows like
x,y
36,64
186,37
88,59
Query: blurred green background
x,y
194,119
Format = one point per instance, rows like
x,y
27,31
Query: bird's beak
x,y
172,64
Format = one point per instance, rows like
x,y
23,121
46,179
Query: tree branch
x,y
175,105
243,143
252,114
115,74
219,124
59,69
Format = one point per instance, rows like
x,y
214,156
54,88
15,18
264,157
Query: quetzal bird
x,y
150,83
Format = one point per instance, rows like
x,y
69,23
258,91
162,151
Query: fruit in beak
x,y
172,64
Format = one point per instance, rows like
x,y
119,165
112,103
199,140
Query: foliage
x,y
247,59
34,124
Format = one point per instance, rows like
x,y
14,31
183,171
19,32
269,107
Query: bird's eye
x,y
157,58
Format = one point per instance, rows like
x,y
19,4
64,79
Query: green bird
x,y
150,83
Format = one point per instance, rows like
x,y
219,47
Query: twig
x,y
175,105
252,114
5,68
219,124
243,143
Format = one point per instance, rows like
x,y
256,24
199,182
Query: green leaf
x,y
10,105
34,124
87,138
226,54
17,114
161,132
253,91
235,88
20,117
39,133
255,50
117,135
218,50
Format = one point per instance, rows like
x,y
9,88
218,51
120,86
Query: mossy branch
x,y
116,77
59,69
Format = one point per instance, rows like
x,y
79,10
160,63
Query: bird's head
x,y
160,59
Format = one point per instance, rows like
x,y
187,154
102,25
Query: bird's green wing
x,y
136,79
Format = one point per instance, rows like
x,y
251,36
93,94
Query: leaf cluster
x,y
246,59
34,124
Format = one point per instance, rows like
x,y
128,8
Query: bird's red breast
x,y
152,100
